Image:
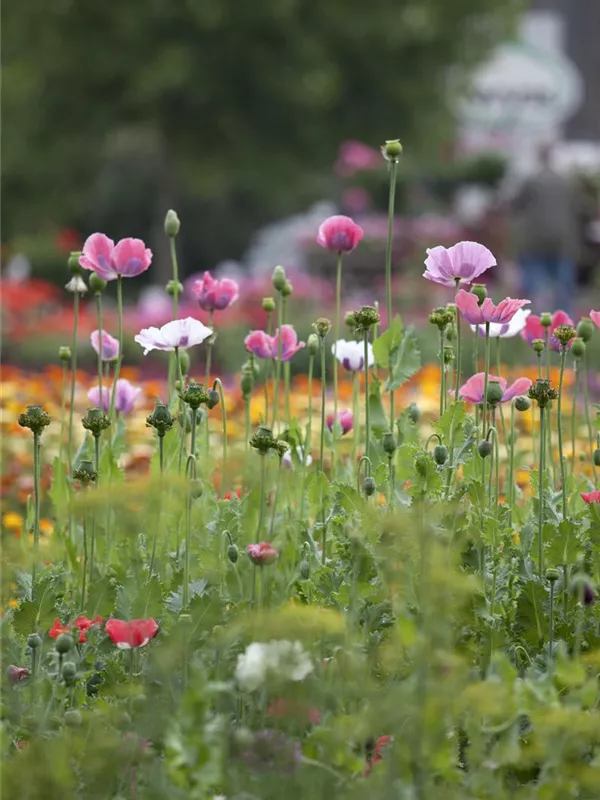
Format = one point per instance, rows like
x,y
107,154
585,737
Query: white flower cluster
x,y
281,658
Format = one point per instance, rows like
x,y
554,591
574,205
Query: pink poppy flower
x,y
216,295
16,674
339,234
181,333
262,553
265,346
463,262
472,390
110,345
136,633
475,314
595,317
535,330
591,497
345,419
127,259
126,395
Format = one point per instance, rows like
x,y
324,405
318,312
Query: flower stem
x,y
577,371
263,481
190,471
278,361
366,368
120,334
307,439
63,406
36,509
355,415
563,478
336,332
99,360
511,463
323,387
85,561
161,462
175,268
217,383
486,377
551,628
586,403
458,349
443,374
541,493
194,414
388,263
275,499
73,373
93,530
209,347
547,352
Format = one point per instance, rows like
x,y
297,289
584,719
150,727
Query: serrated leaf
x,y
175,599
406,362
100,600
530,617
387,344
148,601
563,544
118,443
36,615
378,422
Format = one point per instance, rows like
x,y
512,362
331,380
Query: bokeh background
x,y
257,120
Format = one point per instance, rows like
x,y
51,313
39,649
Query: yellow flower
x,y
12,521
46,527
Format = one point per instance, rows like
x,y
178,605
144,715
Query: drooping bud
x,y
564,334
73,264
97,284
232,553
480,292
522,403
64,643
369,486
85,473
95,421
596,457
279,278
391,150
546,319
195,488
322,326
268,304
64,353
35,418
484,448
160,419
585,329
538,346
578,347
174,288
172,223
213,398
388,441
494,393
440,454
414,413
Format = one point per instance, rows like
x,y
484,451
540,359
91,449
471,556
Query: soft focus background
x,y
257,120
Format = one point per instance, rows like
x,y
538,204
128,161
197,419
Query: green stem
x,y
511,463
392,499
63,406
73,373
458,349
486,377
275,499
443,374
541,494
120,334
388,264
247,422
577,371
175,268
278,361
36,509
209,347
563,477
217,383
551,628
99,360
161,461
547,351
263,481
307,439
336,333
194,414
366,368
355,414
93,530
323,397
85,562
586,403
498,373
190,471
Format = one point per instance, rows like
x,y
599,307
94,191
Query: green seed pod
x,y
69,673
64,643
369,486
172,223
494,393
34,641
414,413
196,488
388,441
213,398
522,403
480,292
73,718
546,319
246,383
73,263
552,574
440,454
64,353
578,348
596,457
287,289
232,553
174,288
391,150
97,284
485,448
268,304
304,570
538,346
585,329
279,279
312,344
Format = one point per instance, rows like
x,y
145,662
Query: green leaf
x,y
101,597
378,421
118,443
59,491
564,546
149,600
36,615
531,618
175,599
386,345
405,362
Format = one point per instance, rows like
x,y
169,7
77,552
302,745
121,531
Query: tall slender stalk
x,y
551,626
355,415
277,377
443,374
563,477
63,407
120,335
388,262
190,471
323,397
263,481
541,493
175,267
511,463
217,383
366,368
36,508
588,421
577,371
307,438
336,334
161,463
275,501
486,377
85,561
99,360
458,349
93,530
73,373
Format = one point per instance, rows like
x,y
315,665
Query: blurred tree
x,y
230,111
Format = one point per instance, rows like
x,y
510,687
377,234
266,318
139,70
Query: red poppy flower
x,y
57,629
230,495
377,755
83,624
262,553
136,633
591,497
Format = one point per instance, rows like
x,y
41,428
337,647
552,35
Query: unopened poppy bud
x,y
195,488
538,346
388,441
585,329
440,454
578,347
279,278
172,223
304,570
64,643
322,326
287,289
414,413
546,319
64,353
494,393
213,398
73,263
73,718
480,292
484,448
246,383
97,284
391,150
552,574
596,457
69,671
34,641
369,486
312,344
232,553
184,361
174,288
522,403
268,304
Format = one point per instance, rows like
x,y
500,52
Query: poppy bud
x,y
64,643
494,393
97,284
312,344
350,319
246,383
34,641
232,553
388,442
184,361
585,329
268,304
538,346
279,279
391,150
522,403
287,289
73,718
69,671
369,486
64,353
578,347
172,223
73,263
304,570
480,292
546,319
414,413
195,489
484,448
596,457
213,398
322,326
440,454
552,575
174,288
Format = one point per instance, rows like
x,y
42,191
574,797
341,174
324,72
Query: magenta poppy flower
x,y
136,633
262,553
591,497
17,674
110,345
535,330
595,317
181,334
216,295
339,234
472,390
463,262
125,397
345,419
265,346
475,314
127,259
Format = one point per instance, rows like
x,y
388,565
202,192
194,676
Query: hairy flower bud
x,y
213,398
440,454
279,278
64,353
522,403
578,347
369,486
246,382
585,329
304,570
34,418
480,292
538,346
312,344
596,457
322,326
391,150
174,288
172,223
232,553
64,643
546,319
95,421
288,289
484,448
97,284
160,419
268,304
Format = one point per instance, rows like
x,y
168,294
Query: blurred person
x,y
546,209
